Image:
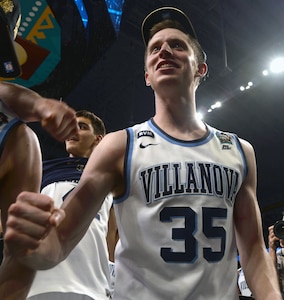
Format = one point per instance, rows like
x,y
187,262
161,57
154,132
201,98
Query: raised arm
x,y
20,162
257,265
56,117
29,221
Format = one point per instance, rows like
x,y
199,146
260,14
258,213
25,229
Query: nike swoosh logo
x,y
146,145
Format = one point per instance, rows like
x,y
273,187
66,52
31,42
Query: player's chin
x,y
72,145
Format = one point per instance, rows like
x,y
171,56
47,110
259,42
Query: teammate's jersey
x,y
85,271
243,287
8,121
62,169
175,220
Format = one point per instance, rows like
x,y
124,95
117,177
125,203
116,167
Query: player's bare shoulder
x,y
110,152
115,142
250,162
247,148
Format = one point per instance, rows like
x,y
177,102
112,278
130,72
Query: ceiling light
x,y
216,105
200,116
277,65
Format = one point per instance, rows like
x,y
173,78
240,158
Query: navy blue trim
x,y
5,132
240,148
198,142
127,165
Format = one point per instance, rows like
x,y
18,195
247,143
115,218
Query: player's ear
x,y
147,80
202,70
99,137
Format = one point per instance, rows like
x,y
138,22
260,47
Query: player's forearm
x,y
47,255
15,280
22,101
262,277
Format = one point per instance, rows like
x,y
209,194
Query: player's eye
x,y
155,49
83,126
177,45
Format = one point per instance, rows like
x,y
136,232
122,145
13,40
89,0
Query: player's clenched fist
x,y
57,118
30,219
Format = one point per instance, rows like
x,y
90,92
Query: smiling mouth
x,y
166,66
72,140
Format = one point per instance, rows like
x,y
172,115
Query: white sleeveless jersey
x,y
85,271
176,219
243,287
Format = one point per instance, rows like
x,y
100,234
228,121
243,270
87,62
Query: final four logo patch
x,y
224,138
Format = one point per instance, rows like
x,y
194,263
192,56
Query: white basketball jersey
x,y
243,287
85,271
175,220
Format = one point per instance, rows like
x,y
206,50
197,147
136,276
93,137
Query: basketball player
x,y
184,192
20,155
84,274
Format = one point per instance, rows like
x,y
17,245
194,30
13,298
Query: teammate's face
x,y
170,58
84,142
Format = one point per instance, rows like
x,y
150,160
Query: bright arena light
x,y
277,65
216,105
200,116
